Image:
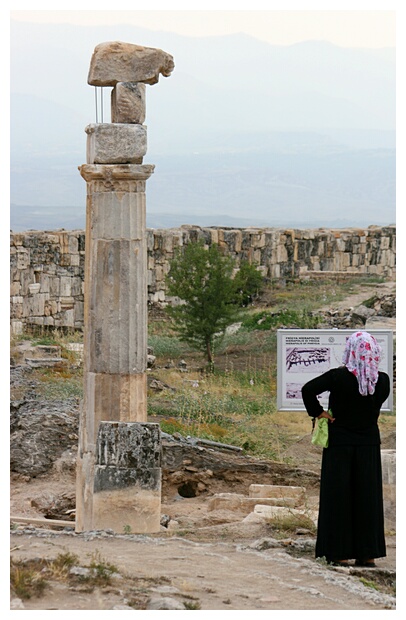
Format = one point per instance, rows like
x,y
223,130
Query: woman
x,y
351,522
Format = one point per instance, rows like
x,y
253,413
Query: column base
x,y
119,484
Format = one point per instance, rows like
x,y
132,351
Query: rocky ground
x,y
237,567
205,557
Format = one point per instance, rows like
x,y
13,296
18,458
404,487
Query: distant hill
x,y
241,130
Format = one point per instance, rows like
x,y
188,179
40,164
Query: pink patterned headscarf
x,y
362,356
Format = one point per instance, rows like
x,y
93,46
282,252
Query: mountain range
x,y
242,133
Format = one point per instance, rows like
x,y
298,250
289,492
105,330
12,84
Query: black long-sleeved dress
x,y
351,521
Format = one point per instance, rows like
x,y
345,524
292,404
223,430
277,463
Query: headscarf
x,y
362,356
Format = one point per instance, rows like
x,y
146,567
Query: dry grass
x,y
288,525
297,423
237,408
30,578
236,403
26,579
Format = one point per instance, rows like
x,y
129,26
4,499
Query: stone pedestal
x,y
127,477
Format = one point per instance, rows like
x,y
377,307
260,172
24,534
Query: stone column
x,y
118,467
115,359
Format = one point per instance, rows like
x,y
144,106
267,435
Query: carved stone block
x,y
116,144
115,61
128,103
127,477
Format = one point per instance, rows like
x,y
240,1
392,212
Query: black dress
x,y
351,520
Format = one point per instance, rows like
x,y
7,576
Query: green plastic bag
x,y
320,434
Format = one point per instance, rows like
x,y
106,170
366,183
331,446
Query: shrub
x,y
264,320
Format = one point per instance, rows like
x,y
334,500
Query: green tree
x,y
202,279
248,283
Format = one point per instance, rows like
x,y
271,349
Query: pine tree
x,y
202,279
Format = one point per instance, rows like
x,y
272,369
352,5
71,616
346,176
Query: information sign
x,y
305,354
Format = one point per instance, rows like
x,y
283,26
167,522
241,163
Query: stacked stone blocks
x,y
47,268
118,465
46,279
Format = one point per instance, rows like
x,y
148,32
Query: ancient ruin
x,y
119,457
47,268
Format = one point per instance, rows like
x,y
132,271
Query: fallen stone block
x,y
272,512
44,362
253,517
229,501
242,503
43,350
266,512
278,491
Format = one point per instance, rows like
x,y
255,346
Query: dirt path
x,y
213,560
364,293
203,575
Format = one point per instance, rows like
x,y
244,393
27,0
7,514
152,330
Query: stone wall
x,y
46,279
47,268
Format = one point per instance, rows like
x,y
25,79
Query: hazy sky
x,y
358,27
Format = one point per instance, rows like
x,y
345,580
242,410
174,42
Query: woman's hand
x,y
325,414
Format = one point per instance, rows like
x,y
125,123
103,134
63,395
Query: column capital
x,y
116,177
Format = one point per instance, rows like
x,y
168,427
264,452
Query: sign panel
x,y
306,353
